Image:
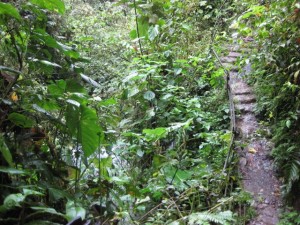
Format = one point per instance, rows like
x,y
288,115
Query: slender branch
x,y
19,55
137,27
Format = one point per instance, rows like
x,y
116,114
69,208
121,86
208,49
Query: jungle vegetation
x,y
115,112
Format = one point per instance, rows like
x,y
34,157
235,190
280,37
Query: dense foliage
x,y
116,111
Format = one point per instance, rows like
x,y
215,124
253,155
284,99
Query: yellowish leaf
x,y
252,150
14,97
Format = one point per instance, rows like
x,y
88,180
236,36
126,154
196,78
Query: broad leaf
x,y
89,80
45,38
11,170
108,102
153,32
56,194
176,175
104,164
57,89
133,34
82,124
14,200
4,68
45,62
47,210
52,5
21,120
149,95
8,9
143,27
32,192
73,211
75,87
155,134
90,133
5,152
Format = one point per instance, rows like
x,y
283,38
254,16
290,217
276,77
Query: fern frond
x,y
292,172
204,217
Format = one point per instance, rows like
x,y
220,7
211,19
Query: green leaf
x,y
149,95
21,120
108,102
153,32
52,5
158,161
133,34
155,134
82,124
178,176
8,9
49,104
75,87
4,68
11,170
143,27
72,118
45,38
177,71
5,152
57,89
56,194
186,27
73,211
202,3
41,110
47,210
105,163
13,200
45,62
72,54
288,123
90,80
32,192
68,51
90,133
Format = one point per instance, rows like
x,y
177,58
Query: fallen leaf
x,y
14,97
252,150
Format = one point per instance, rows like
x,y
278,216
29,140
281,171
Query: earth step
x,y
245,108
240,88
234,54
235,48
248,98
242,92
245,50
228,59
240,49
230,66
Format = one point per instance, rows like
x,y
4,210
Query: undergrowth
x,y
115,113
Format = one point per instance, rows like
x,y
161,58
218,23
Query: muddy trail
x,y
255,163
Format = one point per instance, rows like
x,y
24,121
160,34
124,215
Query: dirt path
x,y
255,164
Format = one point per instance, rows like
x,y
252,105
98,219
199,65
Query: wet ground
x,y
255,163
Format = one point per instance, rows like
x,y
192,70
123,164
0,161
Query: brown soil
x,y
255,163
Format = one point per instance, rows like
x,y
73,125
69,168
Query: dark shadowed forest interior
x,y
149,112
